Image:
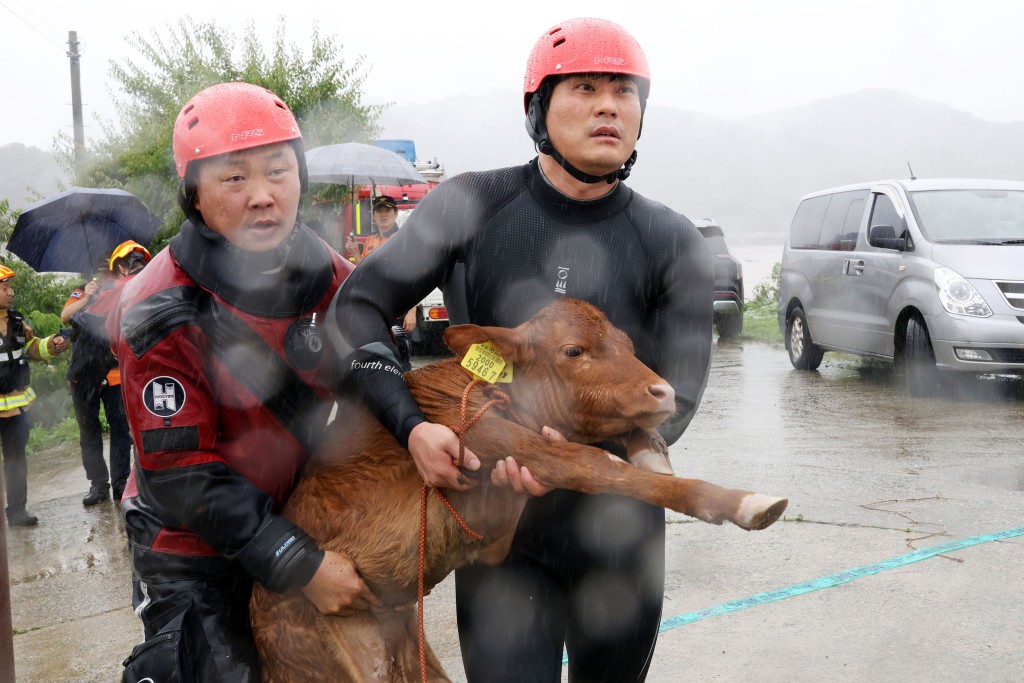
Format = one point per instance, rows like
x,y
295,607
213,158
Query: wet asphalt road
x,y
872,474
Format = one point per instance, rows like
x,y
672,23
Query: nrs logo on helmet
x,y
245,134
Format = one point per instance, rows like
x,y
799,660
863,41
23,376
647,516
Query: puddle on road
x,y
855,413
91,539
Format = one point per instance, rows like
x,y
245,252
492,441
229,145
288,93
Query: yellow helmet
x,y
129,250
6,273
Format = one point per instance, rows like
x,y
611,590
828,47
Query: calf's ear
x,y
460,337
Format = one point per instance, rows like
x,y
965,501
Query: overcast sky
x,y
722,57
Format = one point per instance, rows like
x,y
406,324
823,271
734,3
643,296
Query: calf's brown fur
x,y
360,494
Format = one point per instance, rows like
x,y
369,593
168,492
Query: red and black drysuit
x,y
584,570
227,395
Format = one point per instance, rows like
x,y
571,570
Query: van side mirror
x,y
884,237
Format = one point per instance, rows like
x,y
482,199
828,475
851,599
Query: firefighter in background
x,y
228,392
385,221
385,224
18,345
127,259
83,294
94,376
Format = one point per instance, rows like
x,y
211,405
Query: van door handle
x,y
853,267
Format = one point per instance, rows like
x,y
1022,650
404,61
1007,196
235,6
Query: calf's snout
x,y
664,394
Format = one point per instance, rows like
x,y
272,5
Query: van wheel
x,y
803,353
917,361
729,325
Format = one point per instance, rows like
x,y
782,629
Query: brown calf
x,y
360,495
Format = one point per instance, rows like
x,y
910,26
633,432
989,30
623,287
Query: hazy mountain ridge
x,y
27,174
748,173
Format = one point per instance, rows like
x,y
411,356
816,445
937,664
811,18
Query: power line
x,y
25,9
29,24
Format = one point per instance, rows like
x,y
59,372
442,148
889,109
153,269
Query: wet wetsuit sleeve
x,y
677,340
390,281
174,417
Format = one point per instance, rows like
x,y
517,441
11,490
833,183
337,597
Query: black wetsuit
x,y
584,570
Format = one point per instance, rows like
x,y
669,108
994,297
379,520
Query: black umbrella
x,y
71,231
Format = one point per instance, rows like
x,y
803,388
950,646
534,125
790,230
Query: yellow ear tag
x,y
485,361
506,375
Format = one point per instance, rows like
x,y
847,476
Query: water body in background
x,y
757,259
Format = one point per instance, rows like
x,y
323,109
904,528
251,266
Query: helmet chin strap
x,y
545,147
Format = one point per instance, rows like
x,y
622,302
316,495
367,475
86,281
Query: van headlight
x,y
958,296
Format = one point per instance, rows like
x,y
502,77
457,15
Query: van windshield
x,y
970,216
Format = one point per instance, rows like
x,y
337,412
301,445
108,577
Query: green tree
x,y
766,294
322,89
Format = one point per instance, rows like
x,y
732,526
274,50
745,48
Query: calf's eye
x,y
572,351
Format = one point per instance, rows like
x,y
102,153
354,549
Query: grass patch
x,y
63,431
761,323
761,313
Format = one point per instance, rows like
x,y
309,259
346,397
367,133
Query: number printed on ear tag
x,y
506,375
485,361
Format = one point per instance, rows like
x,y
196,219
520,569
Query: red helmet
x,y
585,46
229,117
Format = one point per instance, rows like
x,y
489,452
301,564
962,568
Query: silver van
x,y
928,274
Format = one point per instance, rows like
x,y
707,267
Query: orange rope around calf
x,y
497,398
501,399
423,565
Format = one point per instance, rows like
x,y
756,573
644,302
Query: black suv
x,y
728,281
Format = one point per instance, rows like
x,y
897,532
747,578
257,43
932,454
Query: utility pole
x,y
76,101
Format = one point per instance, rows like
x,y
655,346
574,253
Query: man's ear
x,y
460,337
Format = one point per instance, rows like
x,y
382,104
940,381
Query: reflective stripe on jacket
x,y
15,401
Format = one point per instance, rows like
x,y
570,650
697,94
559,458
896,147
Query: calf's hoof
x,y
758,511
